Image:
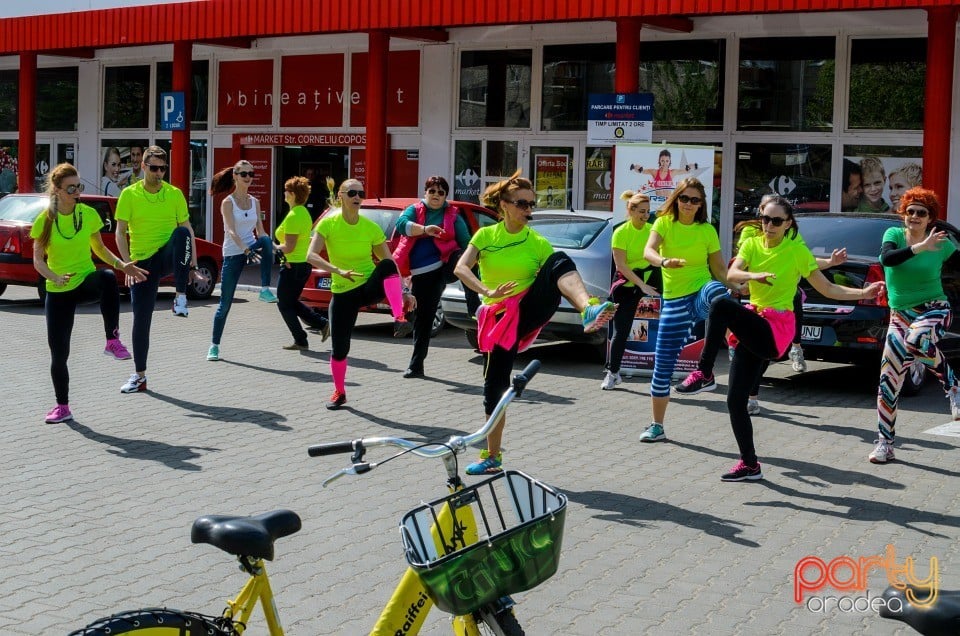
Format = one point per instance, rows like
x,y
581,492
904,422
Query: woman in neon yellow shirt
x,y
514,260
63,236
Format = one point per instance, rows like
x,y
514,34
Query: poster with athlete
x,y
655,170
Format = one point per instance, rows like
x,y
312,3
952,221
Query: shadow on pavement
x,y
263,419
175,457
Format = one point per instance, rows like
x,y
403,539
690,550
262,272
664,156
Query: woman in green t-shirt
x,y
63,236
521,283
912,257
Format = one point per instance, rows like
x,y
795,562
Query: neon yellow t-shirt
x,y
350,247
790,260
509,257
694,243
68,251
632,241
151,218
296,223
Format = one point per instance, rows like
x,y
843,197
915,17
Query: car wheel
x,y
199,289
439,322
913,381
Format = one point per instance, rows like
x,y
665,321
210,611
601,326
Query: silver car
x,y
584,235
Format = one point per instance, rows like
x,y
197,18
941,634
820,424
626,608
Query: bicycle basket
x,y
519,525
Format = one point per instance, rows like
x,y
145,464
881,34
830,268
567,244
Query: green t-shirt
x,y
296,223
350,247
632,241
68,251
694,243
916,280
509,257
151,218
789,261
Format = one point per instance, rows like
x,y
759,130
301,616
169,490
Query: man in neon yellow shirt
x,y
161,241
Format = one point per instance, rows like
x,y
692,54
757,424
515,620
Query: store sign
x,y
311,91
620,117
403,88
300,139
245,93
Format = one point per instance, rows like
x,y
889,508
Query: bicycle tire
x,y
159,622
497,623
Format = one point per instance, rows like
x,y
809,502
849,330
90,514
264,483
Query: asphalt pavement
x,y
95,514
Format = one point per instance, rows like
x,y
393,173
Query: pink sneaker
x,y
59,413
116,349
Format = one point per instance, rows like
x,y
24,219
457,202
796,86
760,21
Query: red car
x,y
17,212
385,212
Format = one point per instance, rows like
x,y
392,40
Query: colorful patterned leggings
x,y
913,335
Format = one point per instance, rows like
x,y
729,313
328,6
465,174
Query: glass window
x,y
786,84
126,94
467,167
875,177
120,165
495,89
798,172
597,179
199,83
686,79
57,98
887,83
501,159
570,74
9,96
8,166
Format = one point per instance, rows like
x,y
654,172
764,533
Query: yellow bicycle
x,y
463,566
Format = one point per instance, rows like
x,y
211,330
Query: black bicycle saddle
x,y
245,536
942,618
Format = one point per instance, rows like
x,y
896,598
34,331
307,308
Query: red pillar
x,y
627,78
180,139
941,30
27,109
376,155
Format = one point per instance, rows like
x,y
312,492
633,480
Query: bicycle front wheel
x,y
159,622
497,623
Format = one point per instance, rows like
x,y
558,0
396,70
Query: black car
x,y
853,332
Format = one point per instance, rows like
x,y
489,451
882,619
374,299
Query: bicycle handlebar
x,y
455,445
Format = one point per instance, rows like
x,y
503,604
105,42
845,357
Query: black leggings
x,y
536,309
290,285
627,299
60,309
797,334
754,347
345,306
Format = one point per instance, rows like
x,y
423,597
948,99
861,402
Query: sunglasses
x,y
157,168
523,204
74,189
920,213
775,221
685,199
355,193
442,193
245,174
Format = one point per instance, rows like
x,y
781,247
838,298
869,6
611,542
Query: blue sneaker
x,y
487,465
653,433
267,296
597,315
213,353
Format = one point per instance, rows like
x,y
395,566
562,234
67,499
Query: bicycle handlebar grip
x,y
332,448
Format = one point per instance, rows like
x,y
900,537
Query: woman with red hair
x,y
912,257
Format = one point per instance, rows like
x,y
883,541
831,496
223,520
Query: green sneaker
x,y
653,433
487,465
213,353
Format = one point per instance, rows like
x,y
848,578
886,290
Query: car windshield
x,y
861,236
386,219
567,232
21,208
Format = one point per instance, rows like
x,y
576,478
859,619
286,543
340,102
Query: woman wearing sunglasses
x,y
244,240
433,236
351,242
772,266
912,257
521,283
64,234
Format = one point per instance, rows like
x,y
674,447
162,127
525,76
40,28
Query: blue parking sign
x,y
172,106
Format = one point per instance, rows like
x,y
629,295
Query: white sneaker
x,y
882,453
610,380
180,305
135,384
954,396
753,407
796,360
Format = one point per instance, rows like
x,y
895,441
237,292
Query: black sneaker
x,y
742,472
402,328
695,383
337,400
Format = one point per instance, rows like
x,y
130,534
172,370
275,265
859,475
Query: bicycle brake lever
x,y
356,469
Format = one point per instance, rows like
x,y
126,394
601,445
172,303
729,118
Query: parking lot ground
x,y
95,514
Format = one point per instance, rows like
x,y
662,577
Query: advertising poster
x,y
638,356
875,184
550,181
120,165
655,170
597,180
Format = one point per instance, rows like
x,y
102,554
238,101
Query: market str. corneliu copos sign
x,y
619,117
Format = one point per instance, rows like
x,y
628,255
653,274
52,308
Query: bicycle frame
x,y
256,590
